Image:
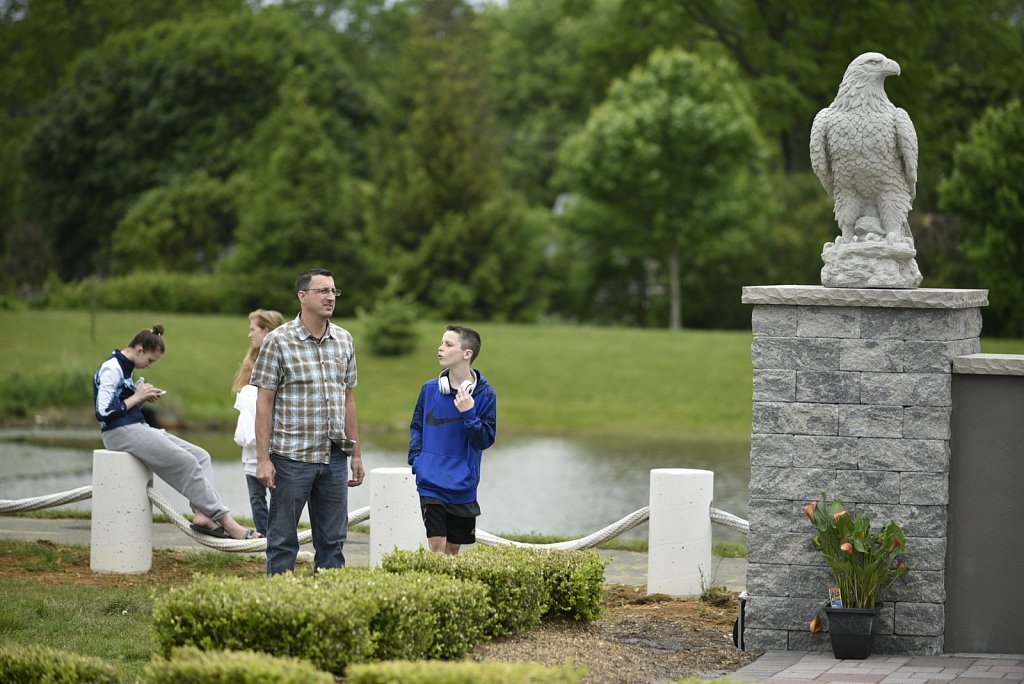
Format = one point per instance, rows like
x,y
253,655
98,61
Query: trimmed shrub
x,y
466,672
517,591
333,619
42,664
282,615
574,579
419,615
189,664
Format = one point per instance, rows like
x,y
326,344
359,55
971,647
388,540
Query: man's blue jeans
x,y
325,487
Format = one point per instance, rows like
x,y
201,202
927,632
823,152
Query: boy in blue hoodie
x,y
455,419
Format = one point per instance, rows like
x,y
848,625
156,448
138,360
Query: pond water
x,y
548,485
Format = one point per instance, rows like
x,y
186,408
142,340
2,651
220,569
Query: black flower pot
x,y
852,631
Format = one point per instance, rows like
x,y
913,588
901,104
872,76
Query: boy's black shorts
x,y
439,522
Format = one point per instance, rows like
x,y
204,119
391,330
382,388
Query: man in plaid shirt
x,y
306,425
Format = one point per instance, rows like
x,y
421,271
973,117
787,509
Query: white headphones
x,y
446,387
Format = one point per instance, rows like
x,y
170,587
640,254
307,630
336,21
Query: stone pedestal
x,y
852,396
871,264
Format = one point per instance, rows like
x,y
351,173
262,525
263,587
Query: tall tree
x,y
298,206
149,106
39,41
985,189
456,242
669,147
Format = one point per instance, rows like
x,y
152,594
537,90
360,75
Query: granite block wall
x,y
852,396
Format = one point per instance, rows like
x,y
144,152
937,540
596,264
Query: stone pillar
x,y
679,547
852,396
395,518
122,517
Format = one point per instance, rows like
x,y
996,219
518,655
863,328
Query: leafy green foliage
x,y
668,148
864,563
391,327
985,189
149,106
331,620
43,664
574,580
516,591
22,392
185,226
419,615
456,240
189,664
464,672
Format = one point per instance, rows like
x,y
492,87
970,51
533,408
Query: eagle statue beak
x,y
892,68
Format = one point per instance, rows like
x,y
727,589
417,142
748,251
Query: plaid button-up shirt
x,y
310,379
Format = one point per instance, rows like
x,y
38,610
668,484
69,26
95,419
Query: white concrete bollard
x,y
679,550
122,515
395,517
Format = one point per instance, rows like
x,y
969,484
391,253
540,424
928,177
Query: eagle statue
x,y
864,152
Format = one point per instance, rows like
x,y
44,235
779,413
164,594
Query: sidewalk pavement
x,y
629,567
796,667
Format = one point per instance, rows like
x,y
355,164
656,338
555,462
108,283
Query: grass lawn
x,y
49,597
551,379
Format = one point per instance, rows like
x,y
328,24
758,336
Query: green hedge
x,y
419,615
21,392
527,585
189,664
517,591
177,292
24,664
331,620
575,582
466,672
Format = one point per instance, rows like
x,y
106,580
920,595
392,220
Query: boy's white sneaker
x,y
304,557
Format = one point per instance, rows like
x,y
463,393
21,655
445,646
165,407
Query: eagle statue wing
x,y
821,162
906,147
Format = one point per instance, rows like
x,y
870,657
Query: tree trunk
x,y
675,302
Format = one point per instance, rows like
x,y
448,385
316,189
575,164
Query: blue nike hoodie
x,y
445,446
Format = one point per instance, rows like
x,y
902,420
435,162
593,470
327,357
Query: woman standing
x,y
261,322
118,400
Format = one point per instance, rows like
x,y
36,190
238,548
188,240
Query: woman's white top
x,y
245,430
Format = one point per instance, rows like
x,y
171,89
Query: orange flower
x,y
839,514
901,564
847,547
896,543
816,625
809,510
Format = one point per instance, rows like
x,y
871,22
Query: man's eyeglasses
x,y
323,291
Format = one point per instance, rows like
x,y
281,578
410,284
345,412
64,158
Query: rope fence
x,y
593,540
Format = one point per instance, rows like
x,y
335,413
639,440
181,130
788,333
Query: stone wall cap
x,y
816,295
989,364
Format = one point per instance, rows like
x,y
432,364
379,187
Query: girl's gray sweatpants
x,y
183,465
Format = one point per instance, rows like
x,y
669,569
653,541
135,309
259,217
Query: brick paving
x,y
794,667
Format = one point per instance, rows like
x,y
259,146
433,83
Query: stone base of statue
x,y
870,262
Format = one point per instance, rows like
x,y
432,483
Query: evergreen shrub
x,y
189,664
390,329
464,672
518,594
333,619
20,663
